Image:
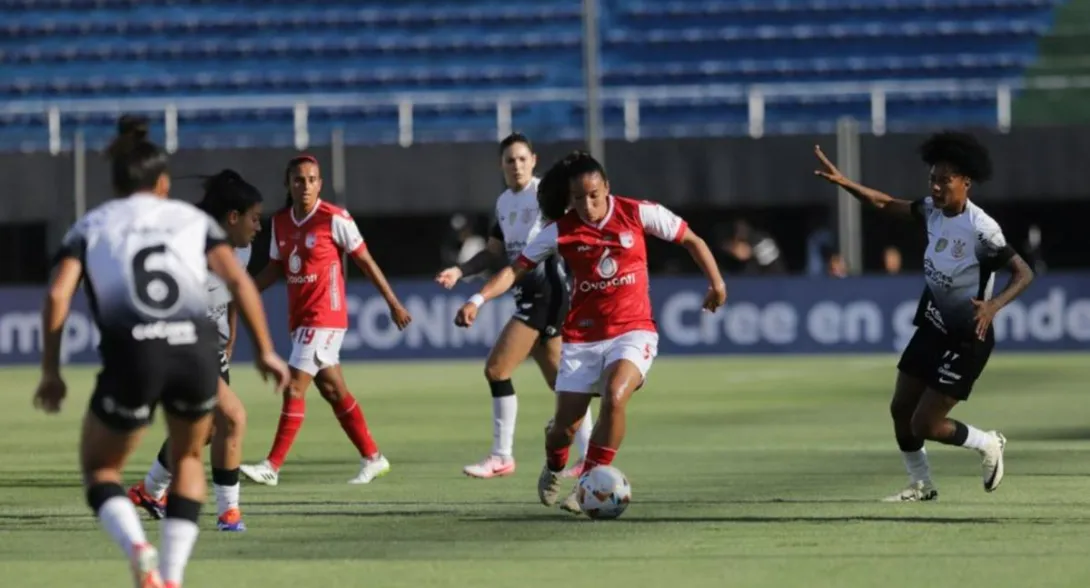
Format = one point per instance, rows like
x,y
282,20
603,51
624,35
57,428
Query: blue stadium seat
x,y
83,49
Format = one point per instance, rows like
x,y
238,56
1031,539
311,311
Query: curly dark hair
x,y
554,192
962,151
227,192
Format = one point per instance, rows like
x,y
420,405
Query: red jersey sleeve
x,y
659,221
539,248
346,234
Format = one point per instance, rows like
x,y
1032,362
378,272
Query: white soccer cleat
x,y
991,461
262,473
493,466
919,491
375,467
548,486
571,502
145,567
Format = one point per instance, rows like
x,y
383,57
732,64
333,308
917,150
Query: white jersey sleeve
x,y
659,221
243,254
74,243
274,250
540,247
346,234
992,244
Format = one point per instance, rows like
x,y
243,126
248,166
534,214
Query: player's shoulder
x,y
329,210
979,218
243,254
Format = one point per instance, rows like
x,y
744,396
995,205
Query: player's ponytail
x,y
227,192
136,164
292,164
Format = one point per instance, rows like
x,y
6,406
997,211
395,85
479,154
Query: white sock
x,y
916,464
157,481
226,497
504,411
582,435
179,537
977,439
120,519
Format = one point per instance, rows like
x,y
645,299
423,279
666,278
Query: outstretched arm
x,y
875,198
542,246
491,257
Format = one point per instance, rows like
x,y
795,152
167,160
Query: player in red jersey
x,y
609,337
308,239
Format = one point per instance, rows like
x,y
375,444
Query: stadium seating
x,y
83,49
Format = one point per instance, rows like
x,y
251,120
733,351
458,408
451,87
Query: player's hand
x,y
50,394
466,315
716,297
400,316
449,277
828,171
270,365
985,312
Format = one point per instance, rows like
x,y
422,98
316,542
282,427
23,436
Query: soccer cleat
x,y
138,494
493,466
571,502
262,473
145,567
575,471
172,585
376,467
991,461
231,520
918,491
548,486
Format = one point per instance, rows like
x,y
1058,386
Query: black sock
x,y
502,388
961,433
164,455
909,444
98,494
224,477
180,507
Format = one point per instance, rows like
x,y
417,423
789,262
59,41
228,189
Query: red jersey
x,y
608,263
310,250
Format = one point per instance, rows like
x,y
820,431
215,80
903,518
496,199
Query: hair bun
x,y
224,178
133,127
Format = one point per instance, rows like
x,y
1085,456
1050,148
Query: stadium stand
x,y
102,49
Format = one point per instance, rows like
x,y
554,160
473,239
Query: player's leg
x,y
571,407
303,364
513,345
931,421
906,397
628,360
229,421
189,399
332,387
105,444
150,493
547,355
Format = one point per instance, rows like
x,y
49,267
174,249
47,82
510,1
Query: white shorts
x,y
314,349
582,364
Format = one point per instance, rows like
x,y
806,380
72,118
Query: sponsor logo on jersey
x,y
607,266
174,333
295,263
305,279
627,239
616,282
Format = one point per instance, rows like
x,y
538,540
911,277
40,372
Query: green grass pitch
x,y
746,471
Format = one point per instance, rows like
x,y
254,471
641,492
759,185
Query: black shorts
x,y
948,365
543,304
225,367
137,375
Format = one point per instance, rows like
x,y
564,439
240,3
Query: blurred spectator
x,y
749,250
1032,250
834,264
819,240
891,260
462,242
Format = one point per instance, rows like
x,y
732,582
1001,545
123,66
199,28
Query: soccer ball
x,y
604,492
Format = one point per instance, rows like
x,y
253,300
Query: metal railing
x,y
754,96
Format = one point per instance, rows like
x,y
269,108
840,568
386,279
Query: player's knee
x,y
614,397
496,372
232,422
900,411
332,392
295,390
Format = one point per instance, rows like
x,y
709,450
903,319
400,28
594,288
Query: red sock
x,y
351,417
599,456
556,459
291,418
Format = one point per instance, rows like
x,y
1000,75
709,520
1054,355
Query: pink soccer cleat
x,y
493,466
575,471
